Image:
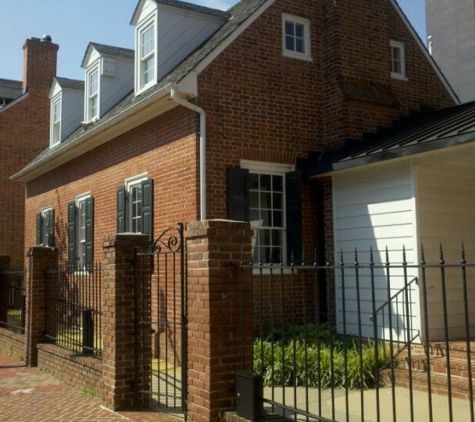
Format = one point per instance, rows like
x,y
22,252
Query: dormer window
x,y
92,111
56,120
296,37
146,63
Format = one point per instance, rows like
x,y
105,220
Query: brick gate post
x,y
216,343
120,350
39,259
4,265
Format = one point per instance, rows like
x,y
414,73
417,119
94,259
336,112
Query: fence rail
x,y
12,300
73,309
386,343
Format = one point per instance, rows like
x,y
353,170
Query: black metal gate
x,y
162,273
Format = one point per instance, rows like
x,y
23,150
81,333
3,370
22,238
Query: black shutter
x,y
39,229
238,194
49,227
147,207
89,232
72,253
121,210
293,200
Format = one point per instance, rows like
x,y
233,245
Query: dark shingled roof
x,y
70,83
238,15
112,51
194,8
429,132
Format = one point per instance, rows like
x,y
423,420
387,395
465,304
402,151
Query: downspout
x,y
180,100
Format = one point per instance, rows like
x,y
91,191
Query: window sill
x,y
299,56
399,77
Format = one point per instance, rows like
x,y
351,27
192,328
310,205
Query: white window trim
x,y
55,100
277,169
307,44
79,251
87,107
402,48
139,87
129,183
43,212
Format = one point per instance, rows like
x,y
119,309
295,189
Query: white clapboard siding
x,y
374,209
115,88
446,216
179,34
72,111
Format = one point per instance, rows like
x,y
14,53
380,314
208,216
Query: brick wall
x,y
24,133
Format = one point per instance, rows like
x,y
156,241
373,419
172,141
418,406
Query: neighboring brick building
x,y
279,79
24,133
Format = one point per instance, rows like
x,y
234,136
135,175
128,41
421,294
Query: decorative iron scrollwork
x,y
170,241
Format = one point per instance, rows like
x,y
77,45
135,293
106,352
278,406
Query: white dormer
x,y
67,105
109,77
166,32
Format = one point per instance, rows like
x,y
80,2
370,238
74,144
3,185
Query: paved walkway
x,y
26,394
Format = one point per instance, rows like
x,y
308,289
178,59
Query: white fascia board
x,y
222,46
425,52
55,89
101,133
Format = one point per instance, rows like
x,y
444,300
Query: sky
x,y
74,23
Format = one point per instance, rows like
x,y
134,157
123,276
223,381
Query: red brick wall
x,y
266,107
24,133
165,148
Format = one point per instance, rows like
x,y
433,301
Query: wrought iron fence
x,y
395,344
12,300
73,309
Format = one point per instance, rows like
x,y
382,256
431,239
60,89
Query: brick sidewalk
x,y
26,394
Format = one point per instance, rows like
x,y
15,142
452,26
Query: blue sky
x,y
74,23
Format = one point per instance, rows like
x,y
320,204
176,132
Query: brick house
x,y
209,119
26,102
249,90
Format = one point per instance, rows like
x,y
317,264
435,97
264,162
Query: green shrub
x,y
291,358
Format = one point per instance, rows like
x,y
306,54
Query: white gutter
x,y
182,101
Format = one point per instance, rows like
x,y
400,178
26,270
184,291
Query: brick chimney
x,y
39,66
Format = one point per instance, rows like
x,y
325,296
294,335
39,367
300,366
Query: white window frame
x,y
293,53
274,169
81,229
141,61
92,96
43,225
56,112
401,60
131,184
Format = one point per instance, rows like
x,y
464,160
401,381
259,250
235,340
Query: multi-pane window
x,y
56,121
147,55
93,94
269,196
266,206
135,206
80,232
296,37
45,227
398,60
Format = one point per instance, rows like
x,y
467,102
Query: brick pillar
x,y
216,343
4,265
125,350
39,259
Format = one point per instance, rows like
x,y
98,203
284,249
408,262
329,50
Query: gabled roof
x,y
185,6
430,132
108,50
238,16
70,83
